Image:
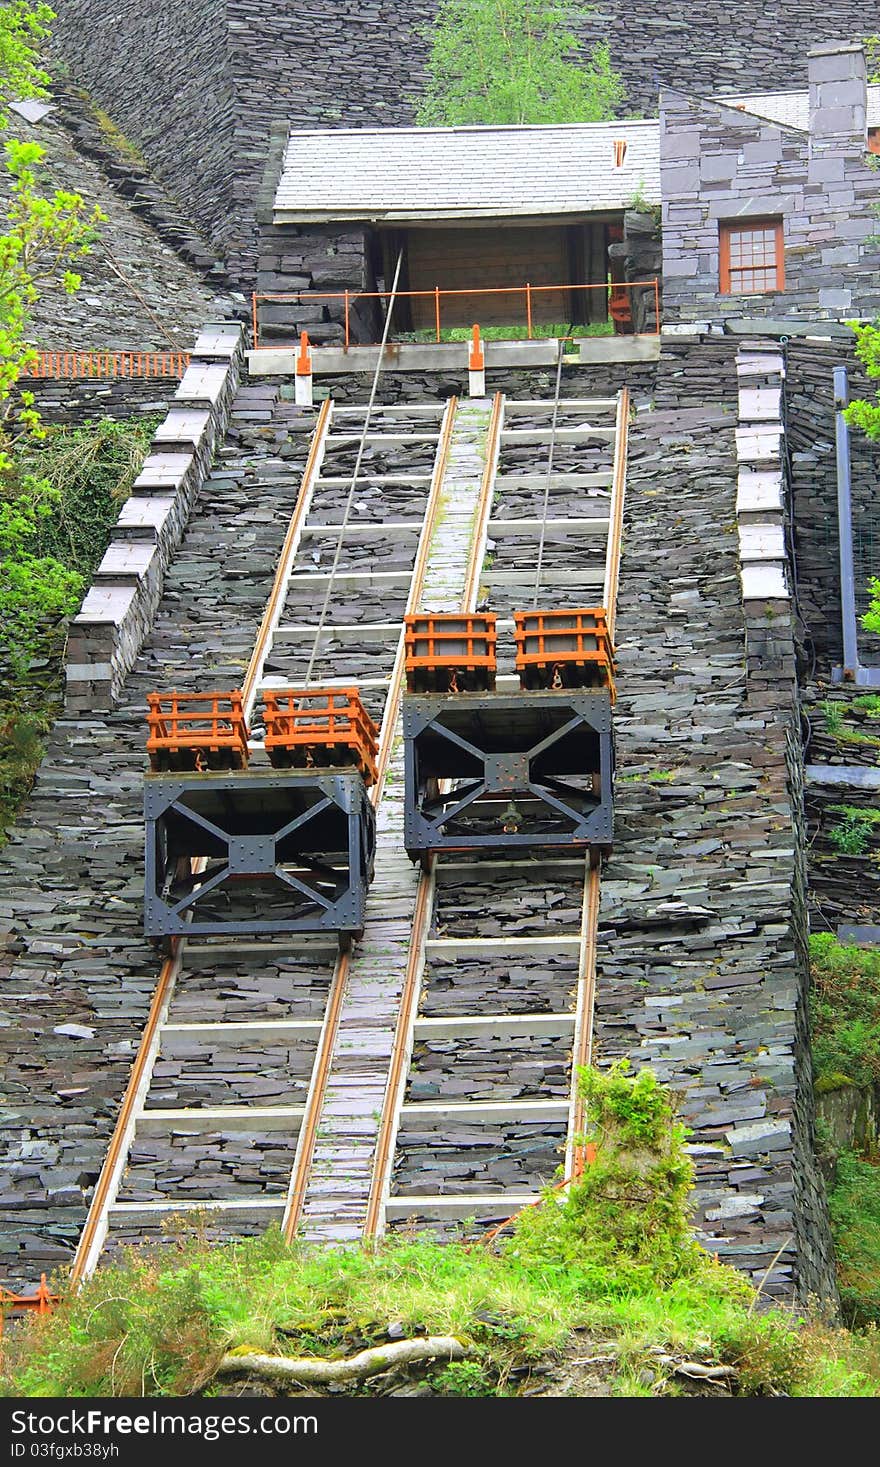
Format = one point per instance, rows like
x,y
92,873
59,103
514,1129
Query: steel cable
x,y
553,424
354,477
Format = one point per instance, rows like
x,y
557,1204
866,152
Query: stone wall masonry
x,y
132,179
118,609
810,434
718,164
701,971
136,293
72,401
197,87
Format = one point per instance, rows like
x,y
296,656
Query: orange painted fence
x,y
524,298
54,364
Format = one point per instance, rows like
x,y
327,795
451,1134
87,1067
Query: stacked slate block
x,y
760,511
118,610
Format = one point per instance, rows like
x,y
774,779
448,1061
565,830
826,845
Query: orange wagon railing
x,y
197,731
316,727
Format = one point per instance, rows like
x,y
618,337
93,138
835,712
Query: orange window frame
x,y
727,231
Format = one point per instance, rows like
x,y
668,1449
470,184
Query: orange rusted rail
x,y
197,731
56,364
450,652
564,649
618,295
314,727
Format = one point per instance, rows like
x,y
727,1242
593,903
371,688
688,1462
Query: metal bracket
x,y
507,770
287,851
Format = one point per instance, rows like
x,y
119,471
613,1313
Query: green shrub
x,y
845,1010
854,1204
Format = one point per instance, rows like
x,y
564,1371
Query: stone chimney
x,y
838,97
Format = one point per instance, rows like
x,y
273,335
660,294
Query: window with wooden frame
x,y
751,256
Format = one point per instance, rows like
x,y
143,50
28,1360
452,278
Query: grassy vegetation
x,y
854,1203
835,713
851,836
540,332
845,1011
92,468
615,1260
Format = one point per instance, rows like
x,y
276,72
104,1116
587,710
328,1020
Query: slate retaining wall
x,y
70,402
119,608
701,950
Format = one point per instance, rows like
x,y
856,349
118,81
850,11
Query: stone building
x,y
531,213
767,211
768,200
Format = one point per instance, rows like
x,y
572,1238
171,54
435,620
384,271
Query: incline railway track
x,y
311,1143
570,1029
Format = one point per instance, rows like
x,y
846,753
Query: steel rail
x,y
403,1034
582,1040
308,1132
94,1233
582,1049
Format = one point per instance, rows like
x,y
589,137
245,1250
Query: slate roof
x,y
792,109
403,174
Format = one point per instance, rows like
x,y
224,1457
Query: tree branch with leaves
x,y
44,236
514,62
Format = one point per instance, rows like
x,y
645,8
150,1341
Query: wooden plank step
x,y
581,434
566,945
484,1111
374,631
357,528
442,1205
475,1026
253,1208
241,1032
220,1118
583,404
367,480
586,576
587,524
559,479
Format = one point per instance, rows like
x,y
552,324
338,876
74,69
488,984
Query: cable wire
x,y
354,476
540,564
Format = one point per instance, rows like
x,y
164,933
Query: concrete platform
x,y
451,356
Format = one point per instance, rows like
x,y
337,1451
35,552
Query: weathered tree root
x,y
316,1371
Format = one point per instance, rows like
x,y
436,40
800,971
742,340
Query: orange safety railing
x,y
311,728
618,295
197,731
564,649
56,364
448,652
40,1302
